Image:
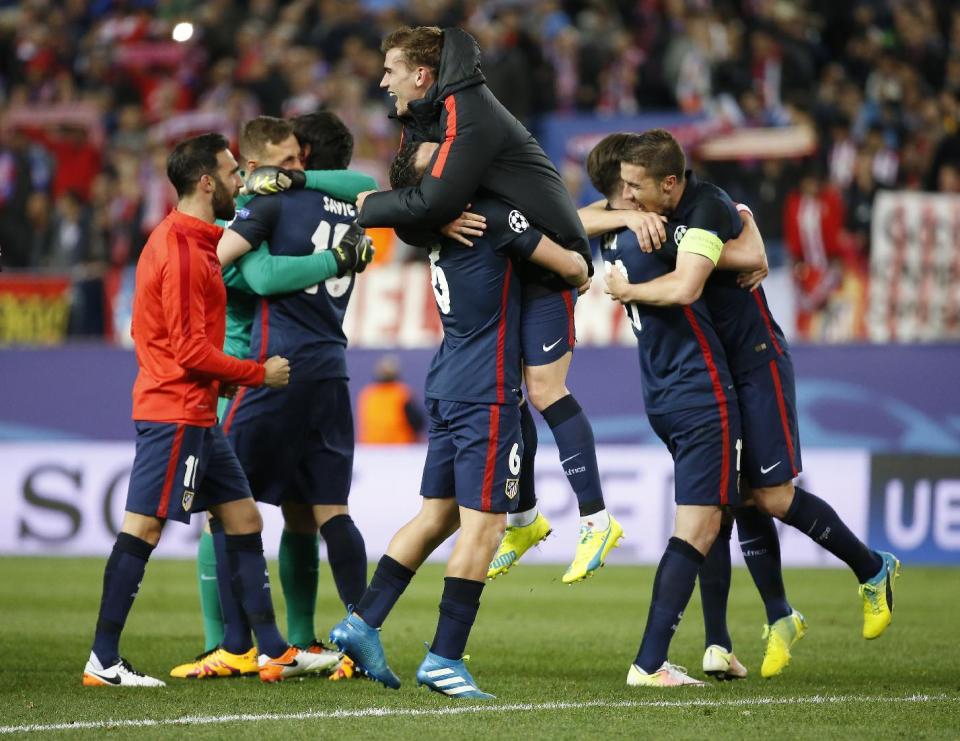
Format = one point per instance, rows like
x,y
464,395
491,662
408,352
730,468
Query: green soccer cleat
x,y
780,637
877,597
592,550
517,541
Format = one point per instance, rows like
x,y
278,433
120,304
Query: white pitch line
x,y
383,712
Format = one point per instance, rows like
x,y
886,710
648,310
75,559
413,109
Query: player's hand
x,y
618,286
228,390
266,181
649,228
353,252
751,281
361,197
465,225
277,373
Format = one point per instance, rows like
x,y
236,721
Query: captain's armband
x,y
701,242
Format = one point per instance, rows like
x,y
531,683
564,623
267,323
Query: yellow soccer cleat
x,y
218,662
592,550
780,637
346,669
517,541
877,597
668,675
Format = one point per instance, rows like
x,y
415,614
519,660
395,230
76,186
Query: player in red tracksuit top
x,y
183,463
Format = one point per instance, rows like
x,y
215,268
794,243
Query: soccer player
x,y
472,470
440,93
296,447
257,274
183,463
653,170
688,397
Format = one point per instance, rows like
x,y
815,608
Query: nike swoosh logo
x,y
744,542
569,459
548,348
110,680
291,663
769,469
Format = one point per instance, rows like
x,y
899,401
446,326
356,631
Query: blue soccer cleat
x,y
449,677
362,644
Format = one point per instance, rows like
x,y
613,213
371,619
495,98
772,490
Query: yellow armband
x,y
701,242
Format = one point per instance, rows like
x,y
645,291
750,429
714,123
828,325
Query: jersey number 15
x,y
321,240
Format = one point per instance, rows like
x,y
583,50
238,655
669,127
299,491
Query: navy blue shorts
x,y
180,469
473,454
705,445
768,411
296,443
547,330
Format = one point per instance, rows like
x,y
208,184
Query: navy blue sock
x,y
715,589
672,587
578,452
760,546
388,582
251,583
121,582
528,433
458,610
347,555
236,629
810,514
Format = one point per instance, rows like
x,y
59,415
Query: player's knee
x,y
774,500
144,527
240,517
542,390
698,526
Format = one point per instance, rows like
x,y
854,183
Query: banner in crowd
x,y
34,309
67,499
914,267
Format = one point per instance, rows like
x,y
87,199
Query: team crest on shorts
x,y
187,500
679,232
512,487
518,222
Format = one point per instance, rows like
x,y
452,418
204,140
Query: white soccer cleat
x,y
120,674
722,664
668,675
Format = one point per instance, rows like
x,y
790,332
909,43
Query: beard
x,y
223,205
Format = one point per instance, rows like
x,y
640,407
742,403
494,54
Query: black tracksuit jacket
x,y
483,148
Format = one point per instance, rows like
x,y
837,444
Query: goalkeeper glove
x,y
353,252
265,181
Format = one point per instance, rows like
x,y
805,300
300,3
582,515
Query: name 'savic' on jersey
x,y
749,334
478,298
305,326
681,357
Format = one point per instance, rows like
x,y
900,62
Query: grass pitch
x,y
556,657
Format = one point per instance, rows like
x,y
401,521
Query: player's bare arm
x,y
568,264
649,227
746,253
232,247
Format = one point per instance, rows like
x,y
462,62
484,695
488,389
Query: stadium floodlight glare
x,y
183,31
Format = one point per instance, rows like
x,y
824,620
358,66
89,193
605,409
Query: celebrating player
x,y
435,77
256,274
653,170
472,470
183,463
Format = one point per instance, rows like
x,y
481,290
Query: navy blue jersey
x,y
681,356
306,327
478,298
749,334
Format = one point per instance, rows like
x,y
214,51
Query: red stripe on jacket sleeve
x,y
451,134
183,252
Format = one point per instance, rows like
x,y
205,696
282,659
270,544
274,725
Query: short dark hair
x,y
193,158
603,163
421,46
656,151
258,132
403,171
331,143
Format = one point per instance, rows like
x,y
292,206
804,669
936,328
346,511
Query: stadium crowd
x,y
93,92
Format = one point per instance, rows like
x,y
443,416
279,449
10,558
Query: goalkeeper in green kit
x,y
273,164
